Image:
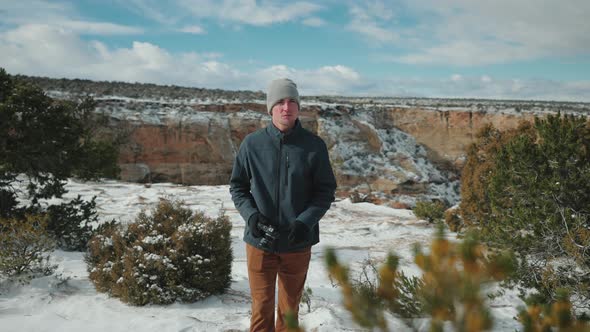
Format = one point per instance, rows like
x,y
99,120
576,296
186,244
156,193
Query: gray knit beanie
x,y
280,89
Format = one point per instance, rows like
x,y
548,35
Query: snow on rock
x,y
389,161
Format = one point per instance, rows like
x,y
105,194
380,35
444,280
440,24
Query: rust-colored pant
x,y
263,268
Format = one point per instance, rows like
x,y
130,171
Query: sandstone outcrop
x,y
383,149
395,151
195,147
446,134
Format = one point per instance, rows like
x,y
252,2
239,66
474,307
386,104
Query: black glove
x,y
298,233
253,224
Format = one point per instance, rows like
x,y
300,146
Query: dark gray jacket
x,y
285,177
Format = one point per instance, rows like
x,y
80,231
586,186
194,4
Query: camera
x,y
271,233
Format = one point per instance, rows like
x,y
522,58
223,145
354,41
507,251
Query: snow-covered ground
x,y
67,300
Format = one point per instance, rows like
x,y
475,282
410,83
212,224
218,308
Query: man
x,y
281,178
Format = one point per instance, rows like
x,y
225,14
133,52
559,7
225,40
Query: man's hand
x,y
298,233
253,224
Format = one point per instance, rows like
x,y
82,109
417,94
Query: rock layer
x,y
386,149
447,134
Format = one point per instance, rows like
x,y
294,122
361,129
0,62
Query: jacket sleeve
x,y
239,186
324,187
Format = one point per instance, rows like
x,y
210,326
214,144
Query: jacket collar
x,y
279,135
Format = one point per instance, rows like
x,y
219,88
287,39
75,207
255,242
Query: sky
x,y
507,49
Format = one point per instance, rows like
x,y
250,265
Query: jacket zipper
x,y
287,171
278,188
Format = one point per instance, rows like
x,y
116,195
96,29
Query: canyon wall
x,y
201,150
194,148
197,146
395,149
447,134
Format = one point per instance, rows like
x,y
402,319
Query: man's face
x,y
284,114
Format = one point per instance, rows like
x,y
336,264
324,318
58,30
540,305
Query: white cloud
x,y
33,11
375,9
326,80
63,53
60,15
465,32
538,25
153,10
466,53
370,19
249,11
493,88
374,32
314,22
45,50
211,55
227,12
99,28
49,51
340,72
277,71
193,29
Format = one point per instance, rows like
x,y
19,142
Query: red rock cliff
x,y
446,134
199,148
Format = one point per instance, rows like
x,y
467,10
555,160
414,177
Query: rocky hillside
x,y
394,150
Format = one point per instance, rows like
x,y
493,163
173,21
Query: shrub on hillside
x,y
71,223
171,254
24,247
406,305
539,317
449,290
528,189
47,141
453,220
430,211
479,168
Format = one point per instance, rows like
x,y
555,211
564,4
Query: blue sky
x,y
510,49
